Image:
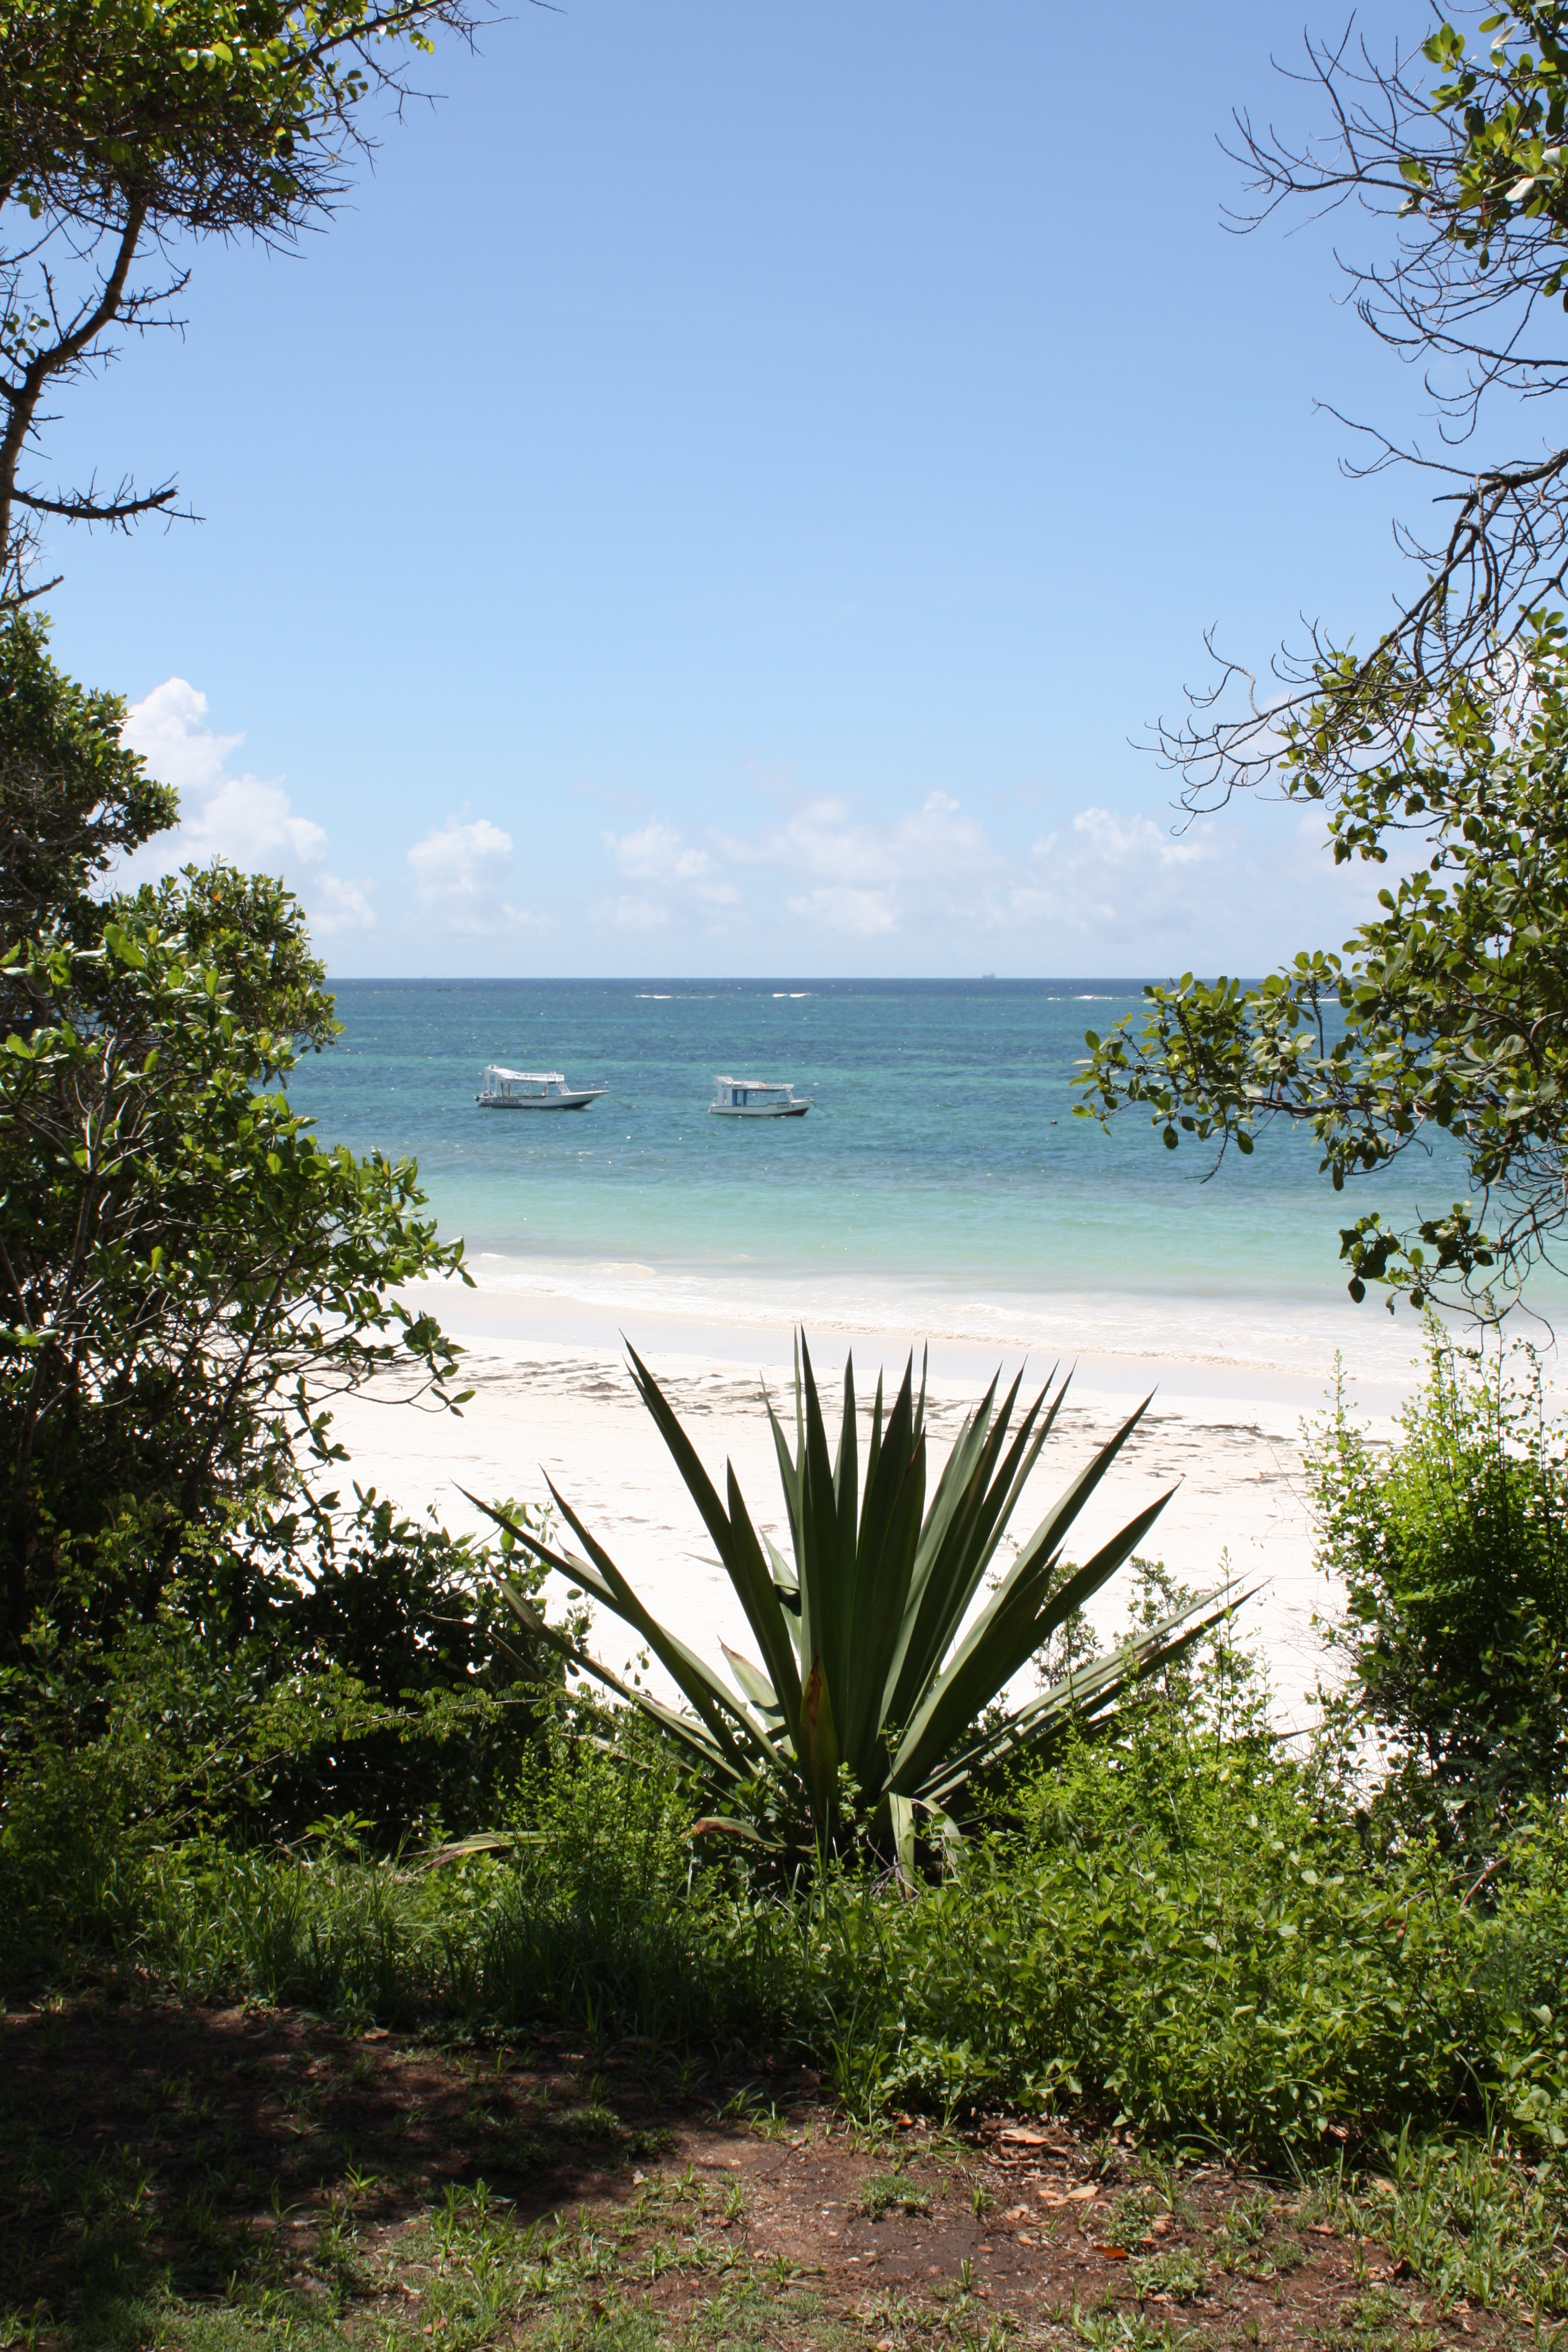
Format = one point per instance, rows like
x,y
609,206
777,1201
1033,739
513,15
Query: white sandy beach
x,y
553,1398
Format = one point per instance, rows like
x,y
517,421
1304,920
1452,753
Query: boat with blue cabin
x,y
502,1089
756,1099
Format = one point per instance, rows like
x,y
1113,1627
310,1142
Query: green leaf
x,y
123,947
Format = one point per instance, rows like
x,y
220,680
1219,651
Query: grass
x,y
1468,2218
893,2192
1313,2094
1174,1934
1178,2275
186,2179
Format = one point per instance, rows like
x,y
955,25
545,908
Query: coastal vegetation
x,y
280,1761
1440,752
879,1712
1180,1920
131,132
266,1785
1177,1940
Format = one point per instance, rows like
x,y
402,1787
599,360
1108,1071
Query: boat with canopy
x,y
503,1089
756,1099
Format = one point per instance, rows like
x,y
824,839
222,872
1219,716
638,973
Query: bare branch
x,y
80,506
123,129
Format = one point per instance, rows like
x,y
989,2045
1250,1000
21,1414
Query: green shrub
x,y
1174,1938
1181,1929
362,1670
1452,1551
1184,1929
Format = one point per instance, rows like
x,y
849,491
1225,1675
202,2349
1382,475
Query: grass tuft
x,y
893,2192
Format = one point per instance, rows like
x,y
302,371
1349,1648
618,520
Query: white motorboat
x,y
756,1099
532,1090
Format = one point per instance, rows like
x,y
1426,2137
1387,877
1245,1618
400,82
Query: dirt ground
x,y
175,2177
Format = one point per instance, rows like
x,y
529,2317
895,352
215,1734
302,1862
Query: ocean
x,y
940,1181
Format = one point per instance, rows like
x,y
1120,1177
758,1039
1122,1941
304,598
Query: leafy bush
x,y
367,1684
406,1623
1182,1927
1452,1550
1178,1928
1178,1937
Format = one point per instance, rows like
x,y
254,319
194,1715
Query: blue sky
x,y
725,492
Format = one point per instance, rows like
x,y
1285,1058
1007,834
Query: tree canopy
x,y
72,797
1442,752
129,127
187,1274
1445,1015
1457,142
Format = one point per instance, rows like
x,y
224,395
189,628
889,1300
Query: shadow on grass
x,y
153,2155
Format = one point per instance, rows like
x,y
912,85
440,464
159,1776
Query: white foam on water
x,y
1248,1335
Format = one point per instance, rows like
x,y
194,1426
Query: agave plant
x,y
868,1669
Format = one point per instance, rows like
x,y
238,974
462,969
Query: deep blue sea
x,y
940,1151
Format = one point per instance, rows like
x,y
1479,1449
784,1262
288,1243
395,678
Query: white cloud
x,y
254,825
1134,841
862,879
462,870
1126,884
689,879
1104,889
248,821
340,905
633,914
169,728
460,863
1122,881
657,852
863,913
822,840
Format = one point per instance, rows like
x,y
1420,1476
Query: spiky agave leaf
x,y
1089,1696
868,1659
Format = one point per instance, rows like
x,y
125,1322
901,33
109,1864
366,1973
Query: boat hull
x,y
541,1102
760,1110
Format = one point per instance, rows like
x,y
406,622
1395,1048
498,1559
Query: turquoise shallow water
x,y
942,1147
